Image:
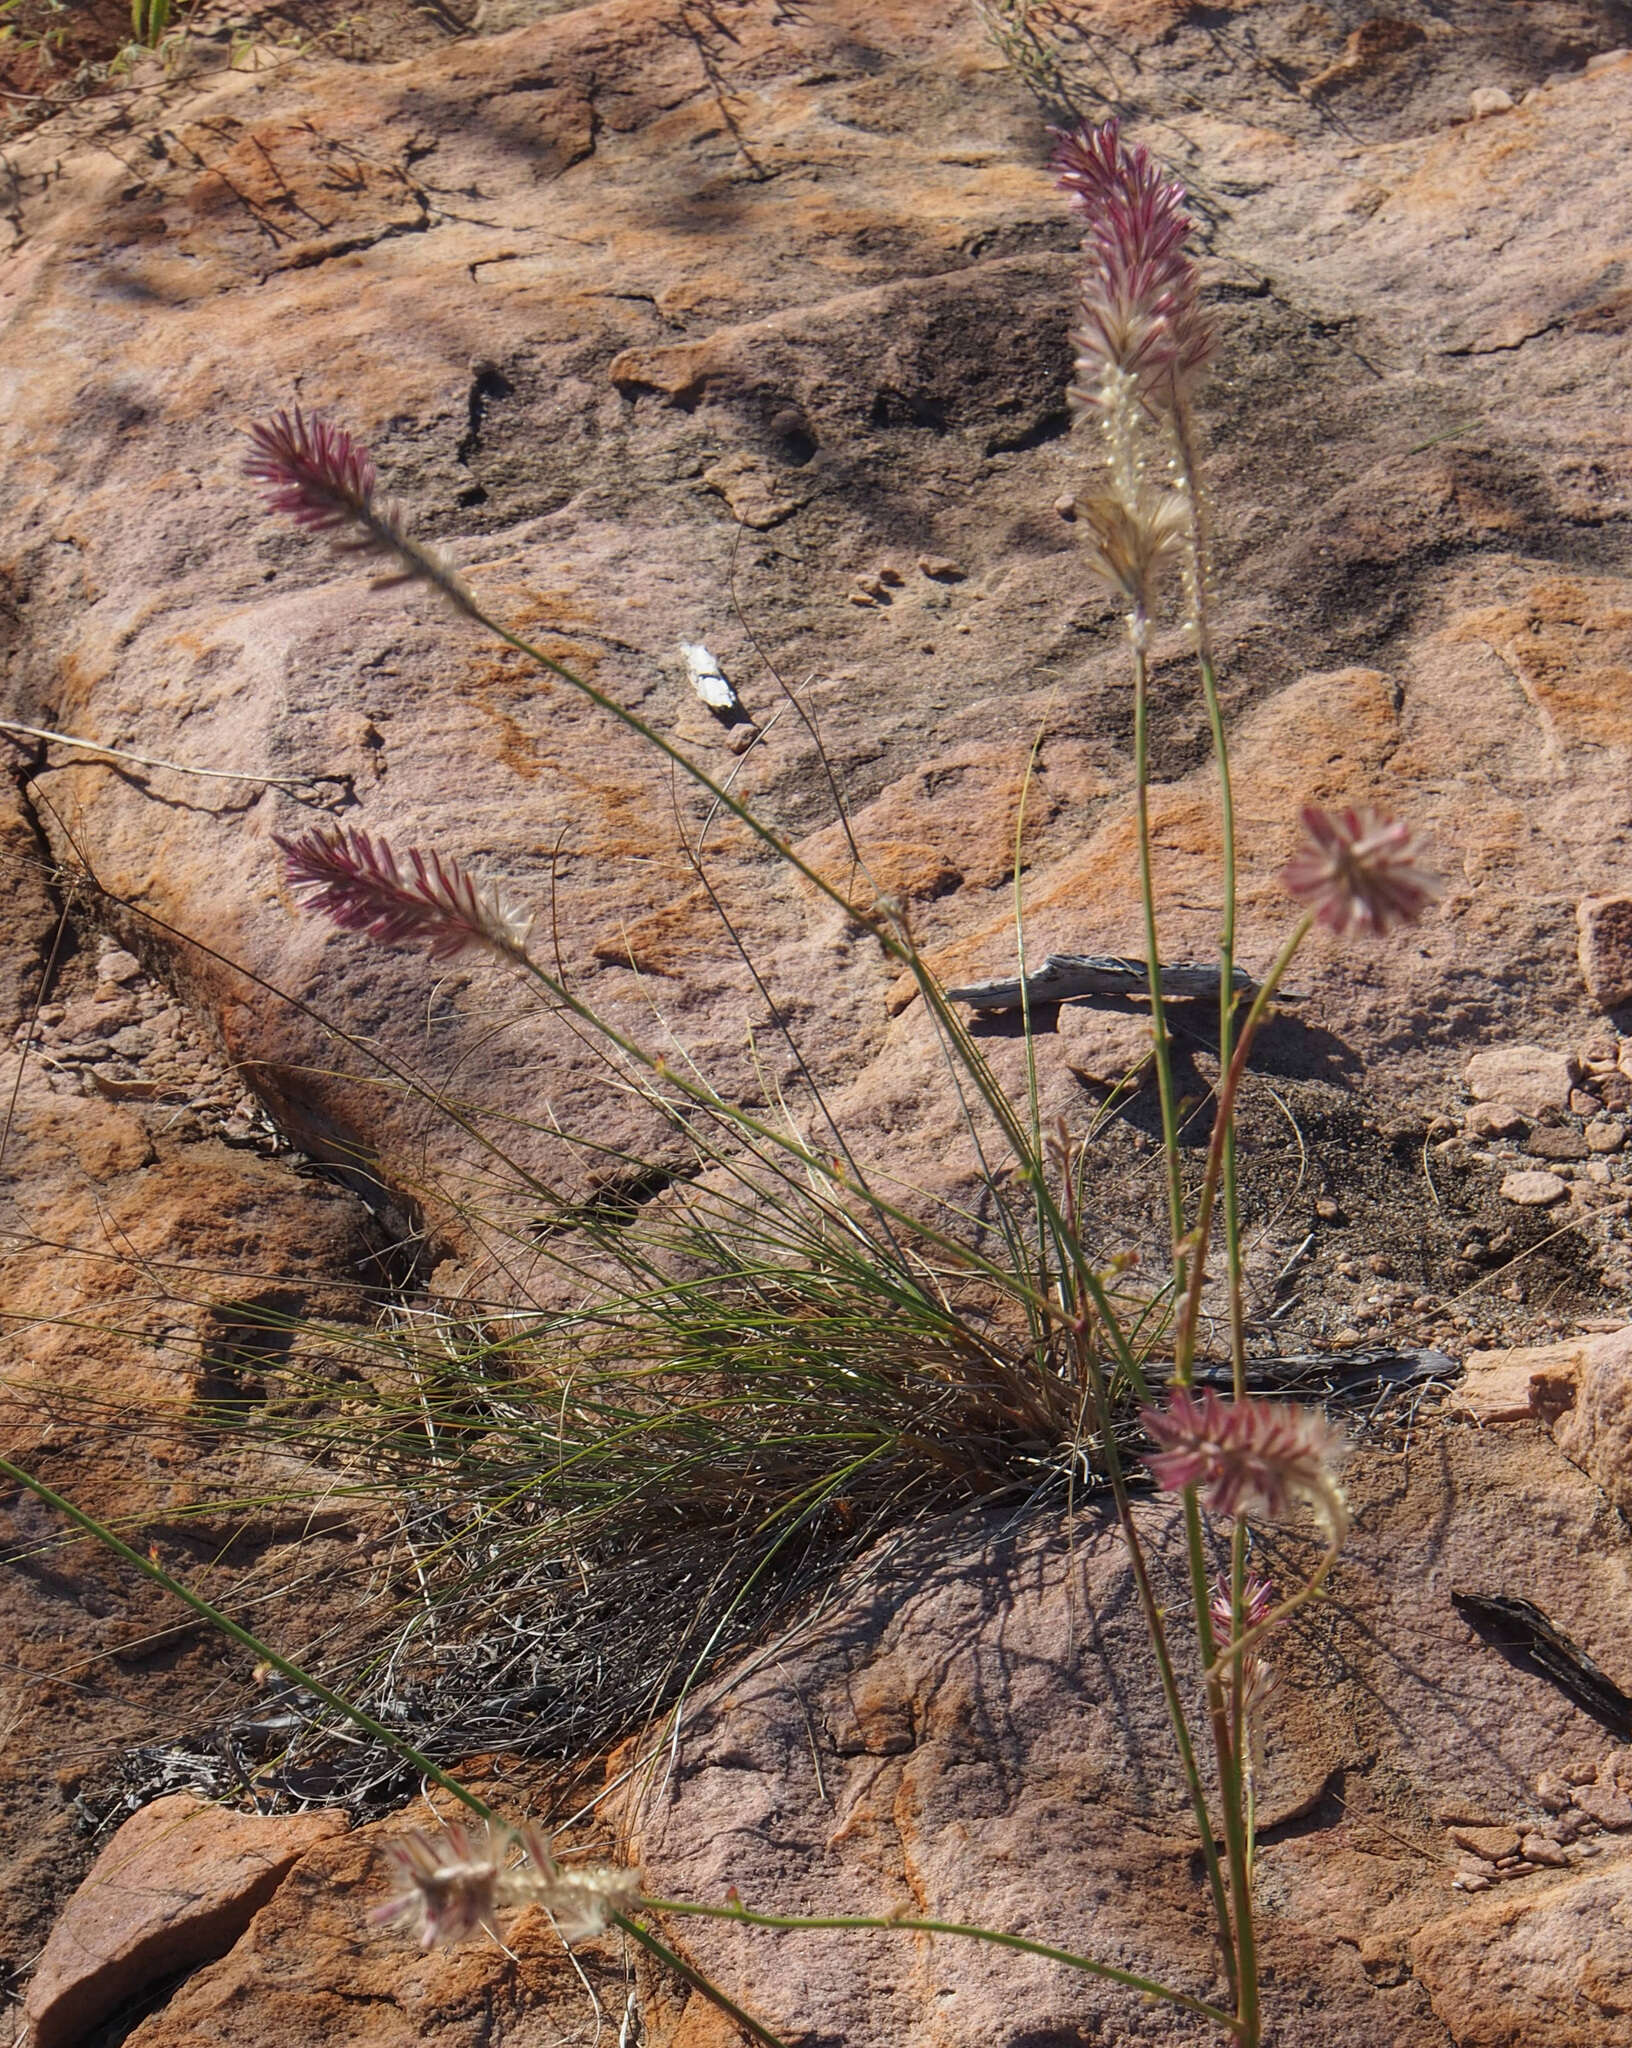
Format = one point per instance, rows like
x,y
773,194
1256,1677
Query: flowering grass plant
x,y
792,1333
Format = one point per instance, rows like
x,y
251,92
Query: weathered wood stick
x,y
1063,975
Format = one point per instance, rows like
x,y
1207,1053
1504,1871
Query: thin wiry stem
x,y
1153,959
908,1924
394,1742
1157,1632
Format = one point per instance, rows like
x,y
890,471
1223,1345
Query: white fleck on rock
x,y
708,678
1486,100
1529,1077
1533,1190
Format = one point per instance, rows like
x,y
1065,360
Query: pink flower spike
x,y
1257,1597
1247,1457
311,470
318,475
1139,317
1357,868
358,883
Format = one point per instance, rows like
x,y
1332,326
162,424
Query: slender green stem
x,y
228,1627
1240,1729
1231,1779
1153,962
1231,1784
1189,1319
684,1970
1226,1024
848,1922
1184,447
393,1741
1164,1663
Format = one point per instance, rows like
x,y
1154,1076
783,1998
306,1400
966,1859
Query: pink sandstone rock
x,y
797,290
1529,1078
1536,1964
176,1887
1582,1387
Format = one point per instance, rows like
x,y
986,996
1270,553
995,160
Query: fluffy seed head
x,y
361,886
449,1885
1248,1457
1139,314
1131,547
580,1897
1258,1679
456,1883
1357,869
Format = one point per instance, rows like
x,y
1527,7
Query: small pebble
x,y
1556,1142
940,569
1328,1211
1533,1190
1537,1849
1604,1136
1066,505
1486,100
1605,59
118,965
1469,1881
1495,1120
1584,1103
1345,1340
1604,1804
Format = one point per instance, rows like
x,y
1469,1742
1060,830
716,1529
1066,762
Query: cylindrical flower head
x,y
1257,1678
1358,869
312,471
322,477
1247,1457
359,883
1139,313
